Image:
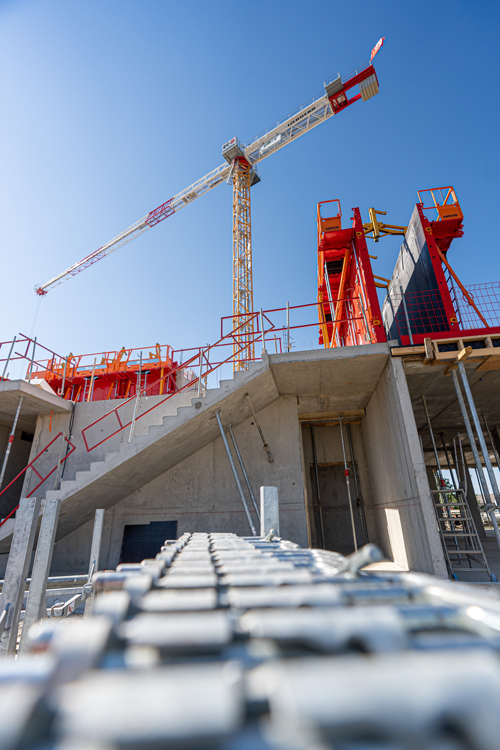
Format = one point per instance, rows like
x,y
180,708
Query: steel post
x,y
269,511
358,488
235,473
490,507
240,459
138,389
30,369
495,452
262,330
17,570
35,605
477,425
8,358
9,444
95,549
199,374
320,508
288,348
346,472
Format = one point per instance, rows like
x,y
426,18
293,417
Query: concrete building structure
x,y
175,469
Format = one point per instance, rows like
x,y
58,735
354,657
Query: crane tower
x,y
240,168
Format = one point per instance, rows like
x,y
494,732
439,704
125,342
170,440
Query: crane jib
x,y
298,122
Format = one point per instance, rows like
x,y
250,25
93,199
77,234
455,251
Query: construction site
x,y
244,514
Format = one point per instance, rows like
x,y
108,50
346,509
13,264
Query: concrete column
x,y
35,606
269,510
94,555
17,570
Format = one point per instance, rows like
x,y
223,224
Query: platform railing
x,y
43,479
425,313
206,360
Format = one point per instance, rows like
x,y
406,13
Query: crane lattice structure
x,y
240,168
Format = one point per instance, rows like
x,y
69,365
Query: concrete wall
x,y
85,414
401,498
200,492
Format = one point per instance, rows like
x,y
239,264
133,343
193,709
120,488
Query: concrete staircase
x,y
161,446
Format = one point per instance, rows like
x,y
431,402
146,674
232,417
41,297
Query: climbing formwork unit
x,y
426,299
349,311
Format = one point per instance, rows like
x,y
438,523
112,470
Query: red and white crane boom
x,y
332,100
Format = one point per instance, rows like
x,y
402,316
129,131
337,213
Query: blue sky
x,y
112,107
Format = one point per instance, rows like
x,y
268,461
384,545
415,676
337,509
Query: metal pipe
x,y
91,381
346,472
64,377
433,442
477,425
263,334
288,326
138,390
406,315
8,358
490,507
199,373
359,501
448,461
320,507
236,477
492,442
30,369
240,459
9,444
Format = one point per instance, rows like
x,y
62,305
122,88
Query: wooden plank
x,y
491,363
329,423
443,357
429,351
402,351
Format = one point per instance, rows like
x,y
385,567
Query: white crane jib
x,y
333,99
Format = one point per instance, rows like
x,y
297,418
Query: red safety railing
x,y
203,360
42,479
425,311
487,300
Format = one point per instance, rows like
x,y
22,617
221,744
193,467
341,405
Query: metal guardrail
x,y
42,479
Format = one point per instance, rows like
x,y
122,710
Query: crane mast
x,y
240,169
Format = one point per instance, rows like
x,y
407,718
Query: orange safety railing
x,y
42,479
443,200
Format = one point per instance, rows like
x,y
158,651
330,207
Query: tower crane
x,y
240,168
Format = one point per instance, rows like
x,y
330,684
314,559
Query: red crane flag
x,y
376,48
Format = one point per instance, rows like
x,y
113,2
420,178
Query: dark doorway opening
x,y
335,510
144,541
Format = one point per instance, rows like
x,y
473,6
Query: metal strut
x,y
235,473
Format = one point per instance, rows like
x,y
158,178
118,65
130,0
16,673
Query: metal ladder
x,y
461,544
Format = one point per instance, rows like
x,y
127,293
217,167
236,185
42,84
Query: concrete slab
x,y
36,401
339,379
441,399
